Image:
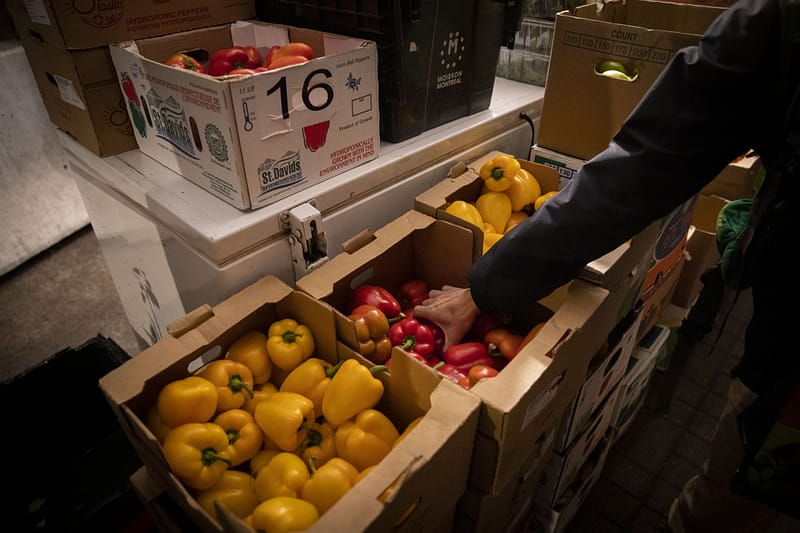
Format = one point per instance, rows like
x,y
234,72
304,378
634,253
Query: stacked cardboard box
x,y
67,47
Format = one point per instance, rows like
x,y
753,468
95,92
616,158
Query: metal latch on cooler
x,y
306,238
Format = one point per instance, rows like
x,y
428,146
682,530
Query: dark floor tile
x,y
703,425
677,471
592,522
661,496
627,474
679,411
653,444
612,502
648,521
713,405
702,370
689,391
692,448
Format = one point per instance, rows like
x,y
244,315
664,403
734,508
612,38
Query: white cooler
x,y
170,246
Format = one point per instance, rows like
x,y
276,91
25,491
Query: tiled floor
x,y
65,297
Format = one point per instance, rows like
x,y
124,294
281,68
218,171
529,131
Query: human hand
x,y
452,309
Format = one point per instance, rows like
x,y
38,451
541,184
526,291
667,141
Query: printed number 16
x,y
307,89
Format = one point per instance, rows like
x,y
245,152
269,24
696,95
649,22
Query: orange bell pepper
x,y
502,342
372,330
233,379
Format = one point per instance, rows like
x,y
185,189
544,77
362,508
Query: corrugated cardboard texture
x,y
79,25
582,110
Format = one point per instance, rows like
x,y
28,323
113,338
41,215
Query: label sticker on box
x,y
68,93
37,12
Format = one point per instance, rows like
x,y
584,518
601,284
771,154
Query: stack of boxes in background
x,y
67,48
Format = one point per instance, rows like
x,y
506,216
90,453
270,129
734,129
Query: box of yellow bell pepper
x,y
251,411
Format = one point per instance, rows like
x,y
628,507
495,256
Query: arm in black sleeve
x,y
712,103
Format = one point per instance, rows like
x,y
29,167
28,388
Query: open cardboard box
x,y
253,140
620,270
583,110
427,471
523,401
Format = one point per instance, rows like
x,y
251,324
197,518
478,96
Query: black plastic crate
x,y
64,448
436,58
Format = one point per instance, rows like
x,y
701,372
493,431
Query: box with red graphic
x,y
253,139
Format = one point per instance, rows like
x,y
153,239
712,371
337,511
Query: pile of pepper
x,y
384,319
244,60
277,455
509,195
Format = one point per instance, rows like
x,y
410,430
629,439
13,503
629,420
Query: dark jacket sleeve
x,y
712,103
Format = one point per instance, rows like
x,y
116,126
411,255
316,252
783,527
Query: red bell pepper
x,y
450,372
479,372
253,54
185,62
502,342
380,298
412,335
438,336
227,59
468,354
372,330
412,292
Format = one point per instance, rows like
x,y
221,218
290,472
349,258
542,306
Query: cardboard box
x,y
606,370
642,35
555,517
253,140
562,468
636,382
81,95
701,249
527,397
669,246
479,512
81,25
566,165
659,298
738,179
427,470
464,183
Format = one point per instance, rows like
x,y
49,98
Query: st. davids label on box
x,y
257,139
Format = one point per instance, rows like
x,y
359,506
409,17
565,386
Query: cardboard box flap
x,y
262,302
666,16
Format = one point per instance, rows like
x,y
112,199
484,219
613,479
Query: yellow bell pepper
x,y
260,459
495,208
539,202
195,453
284,475
285,418
235,490
284,515
364,473
319,446
251,349
157,426
329,483
367,439
465,211
515,218
311,379
289,343
409,428
353,389
233,379
497,172
524,190
489,240
260,393
244,435
191,399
